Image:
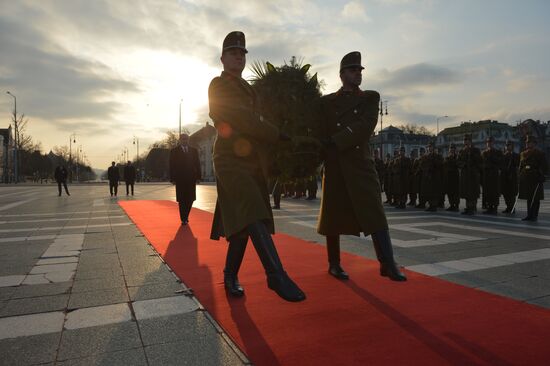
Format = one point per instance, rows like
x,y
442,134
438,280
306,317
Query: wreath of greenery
x,y
288,96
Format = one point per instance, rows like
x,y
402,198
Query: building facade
x,y
7,149
203,141
392,138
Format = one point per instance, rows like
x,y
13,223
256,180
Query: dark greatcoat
x,y
431,171
239,156
414,179
532,169
185,170
469,162
401,174
351,201
451,175
130,174
387,178
509,174
492,163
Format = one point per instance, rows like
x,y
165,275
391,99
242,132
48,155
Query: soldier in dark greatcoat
x,y
351,203
532,171
451,178
401,176
509,177
413,183
387,179
492,163
418,178
185,171
241,166
380,168
469,162
431,170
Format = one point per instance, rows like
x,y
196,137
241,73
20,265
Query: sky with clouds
x,y
112,70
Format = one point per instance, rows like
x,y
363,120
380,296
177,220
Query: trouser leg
x,y
235,254
111,185
132,186
535,209
333,249
59,187
66,189
181,207
127,188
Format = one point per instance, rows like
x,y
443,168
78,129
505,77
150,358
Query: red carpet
x,y
368,320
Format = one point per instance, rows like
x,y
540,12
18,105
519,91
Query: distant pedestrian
x,y
129,177
532,170
185,171
114,176
61,178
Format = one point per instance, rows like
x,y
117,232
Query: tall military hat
x,y
234,39
352,59
531,138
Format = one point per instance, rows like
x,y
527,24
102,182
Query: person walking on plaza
x,y
509,177
431,171
469,162
492,163
240,163
185,171
129,177
451,178
532,171
351,201
401,175
60,176
114,177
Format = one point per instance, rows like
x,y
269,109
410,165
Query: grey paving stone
x,y
12,280
138,279
521,289
541,301
34,305
175,328
6,292
37,349
42,290
209,351
132,357
145,309
33,324
98,273
154,291
98,297
98,315
77,343
98,284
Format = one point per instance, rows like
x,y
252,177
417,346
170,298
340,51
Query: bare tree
x,y
415,129
170,141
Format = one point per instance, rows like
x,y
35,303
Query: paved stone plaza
x,y
80,285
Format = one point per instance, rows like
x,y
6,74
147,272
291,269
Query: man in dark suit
x,y
185,171
114,176
61,179
129,177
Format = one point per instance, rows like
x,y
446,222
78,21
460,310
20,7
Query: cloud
x,y
355,10
417,76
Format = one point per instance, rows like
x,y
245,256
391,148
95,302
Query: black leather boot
x,y
277,279
333,252
384,252
235,254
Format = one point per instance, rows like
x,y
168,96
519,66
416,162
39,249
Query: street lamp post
x,y
72,139
15,150
181,100
382,104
